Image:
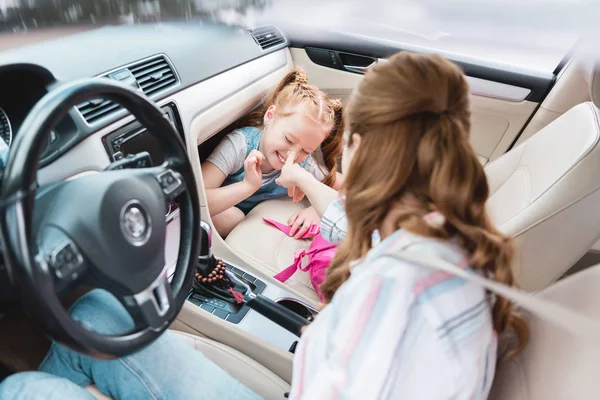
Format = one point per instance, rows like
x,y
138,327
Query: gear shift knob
x,y
205,241
206,260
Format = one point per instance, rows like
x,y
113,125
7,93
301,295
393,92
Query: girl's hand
x,y
252,172
301,222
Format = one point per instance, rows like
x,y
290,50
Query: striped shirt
x,y
396,330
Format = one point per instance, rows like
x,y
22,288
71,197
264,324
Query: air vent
x,y
154,75
267,36
95,109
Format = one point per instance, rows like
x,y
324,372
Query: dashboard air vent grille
x,y
151,76
154,75
93,110
267,36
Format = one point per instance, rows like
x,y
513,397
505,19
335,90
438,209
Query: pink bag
x,y
319,256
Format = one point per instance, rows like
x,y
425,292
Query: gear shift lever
x,y
212,284
210,272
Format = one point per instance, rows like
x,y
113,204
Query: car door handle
x,y
359,69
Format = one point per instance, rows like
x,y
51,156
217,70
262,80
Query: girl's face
x,y
284,134
349,150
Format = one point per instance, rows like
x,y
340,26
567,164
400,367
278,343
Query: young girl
x,y
241,172
391,329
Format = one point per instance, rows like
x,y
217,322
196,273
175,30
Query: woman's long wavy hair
x,y
413,117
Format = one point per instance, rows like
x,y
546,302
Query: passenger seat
x,y
545,193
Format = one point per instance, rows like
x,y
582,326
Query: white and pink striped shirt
x,y
396,330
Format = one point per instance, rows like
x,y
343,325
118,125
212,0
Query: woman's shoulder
x,y
421,280
441,295
401,240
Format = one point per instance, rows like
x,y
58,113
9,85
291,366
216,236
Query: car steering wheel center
x,y
135,223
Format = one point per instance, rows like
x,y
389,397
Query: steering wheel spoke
x,y
150,306
64,259
171,182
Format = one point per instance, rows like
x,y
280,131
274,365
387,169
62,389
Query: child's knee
x,y
227,220
237,215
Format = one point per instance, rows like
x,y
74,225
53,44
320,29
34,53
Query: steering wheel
x,y
105,230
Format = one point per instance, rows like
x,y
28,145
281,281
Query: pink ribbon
x,y
319,255
310,233
287,273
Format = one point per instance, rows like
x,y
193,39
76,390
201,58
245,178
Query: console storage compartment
x,y
298,307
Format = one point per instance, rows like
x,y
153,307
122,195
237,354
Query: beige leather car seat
x,y
544,193
249,372
556,365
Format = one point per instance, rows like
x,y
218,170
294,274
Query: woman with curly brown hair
x,y
393,329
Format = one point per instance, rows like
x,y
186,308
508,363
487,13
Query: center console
x,y
262,309
229,311
250,320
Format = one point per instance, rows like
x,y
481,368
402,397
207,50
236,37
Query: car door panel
x,y
502,101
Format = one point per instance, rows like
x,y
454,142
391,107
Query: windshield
x,y
532,33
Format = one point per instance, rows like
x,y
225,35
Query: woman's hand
x,y
290,177
252,171
301,222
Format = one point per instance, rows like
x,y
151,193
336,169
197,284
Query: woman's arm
x,y
339,181
295,177
319,194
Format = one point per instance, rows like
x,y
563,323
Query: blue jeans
x,y
166,369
